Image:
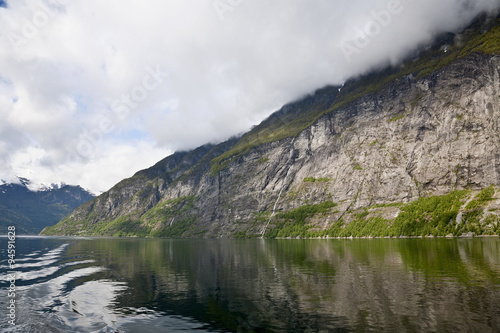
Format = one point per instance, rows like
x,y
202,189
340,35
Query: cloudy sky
x,y
92,91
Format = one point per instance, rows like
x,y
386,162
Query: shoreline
x,y
280,238
390,237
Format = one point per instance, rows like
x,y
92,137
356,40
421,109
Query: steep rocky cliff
x,y
344,161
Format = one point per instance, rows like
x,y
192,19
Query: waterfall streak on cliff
x,y
285,181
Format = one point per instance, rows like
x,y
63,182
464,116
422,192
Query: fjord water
x,y
159,285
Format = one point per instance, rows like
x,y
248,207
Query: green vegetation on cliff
x,y
293,223
314,180
427,216
171,218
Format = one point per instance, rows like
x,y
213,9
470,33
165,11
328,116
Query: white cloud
x,y
66,71
113,162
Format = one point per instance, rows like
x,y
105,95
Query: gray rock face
x,y
415,137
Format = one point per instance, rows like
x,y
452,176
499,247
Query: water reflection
x,y
129,285
392,285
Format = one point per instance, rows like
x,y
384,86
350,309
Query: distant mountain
x,y
31,211
411,150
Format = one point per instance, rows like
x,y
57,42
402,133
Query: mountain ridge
x,y
30,211
331,154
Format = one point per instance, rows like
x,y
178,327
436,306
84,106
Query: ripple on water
x,y
47,303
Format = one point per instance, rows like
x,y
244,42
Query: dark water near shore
x,y
157,285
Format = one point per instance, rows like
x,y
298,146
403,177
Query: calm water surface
x,y
156,285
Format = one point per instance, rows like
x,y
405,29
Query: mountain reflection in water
x,y
159,285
